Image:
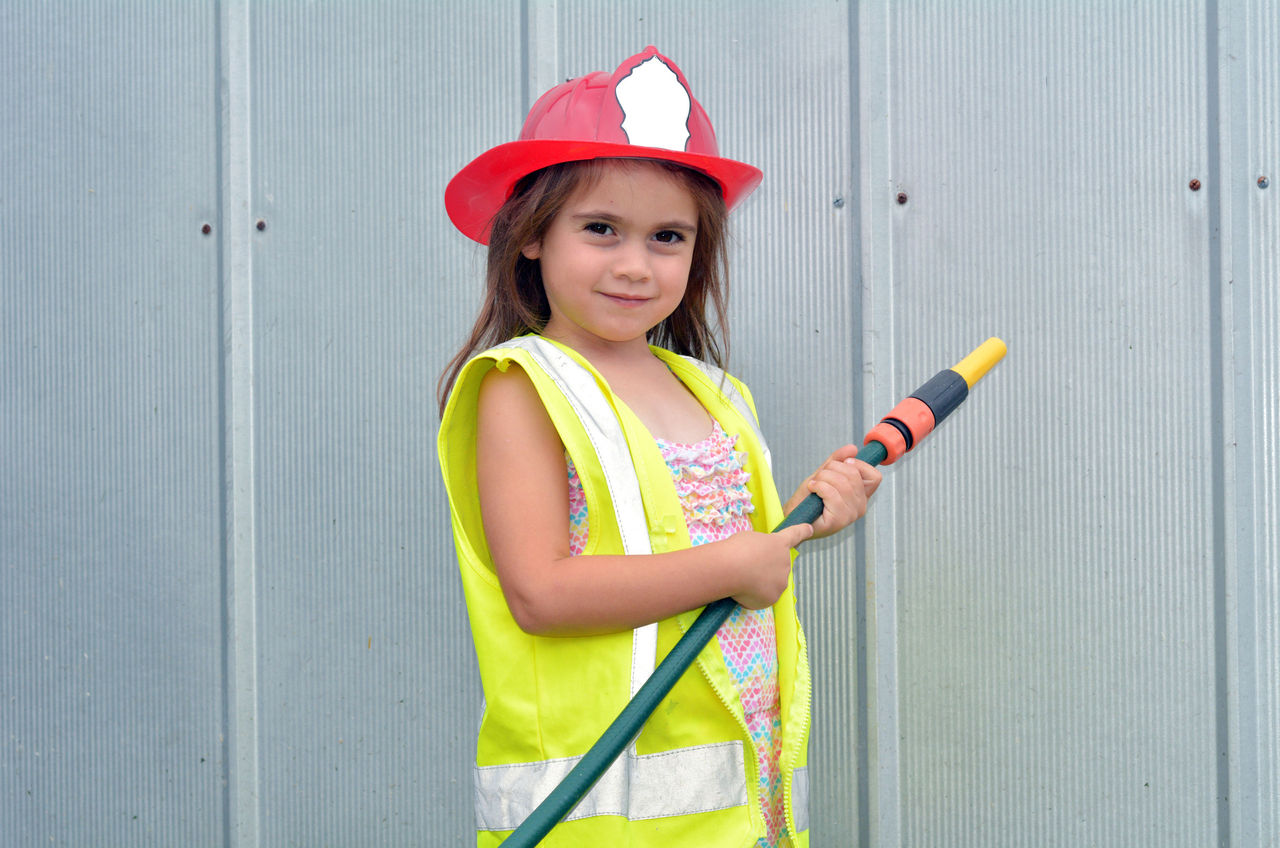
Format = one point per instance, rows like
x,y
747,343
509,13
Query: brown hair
x,y
515,303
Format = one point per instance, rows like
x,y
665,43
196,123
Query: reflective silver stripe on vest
x,y
672,783
800,797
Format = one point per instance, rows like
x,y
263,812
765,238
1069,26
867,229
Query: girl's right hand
x,y
765,563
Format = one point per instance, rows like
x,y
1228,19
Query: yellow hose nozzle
x,y
974,366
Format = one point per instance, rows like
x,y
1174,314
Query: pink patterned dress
x,y
712,485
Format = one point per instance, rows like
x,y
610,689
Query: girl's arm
x,y
524,502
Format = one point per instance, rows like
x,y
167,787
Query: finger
x,y
871,477
795,534
843,478
840,507
864,473
841,486
844,453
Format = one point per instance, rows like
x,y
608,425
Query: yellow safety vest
x,y
690,778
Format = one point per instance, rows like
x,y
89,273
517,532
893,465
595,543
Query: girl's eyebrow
x,y
610,218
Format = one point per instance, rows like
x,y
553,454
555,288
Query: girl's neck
x,y
608,356
649,389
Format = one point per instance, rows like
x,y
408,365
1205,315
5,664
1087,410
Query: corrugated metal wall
x,y
229,607
1053,642
111,583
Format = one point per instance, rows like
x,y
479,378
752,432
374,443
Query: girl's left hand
x,y
844,484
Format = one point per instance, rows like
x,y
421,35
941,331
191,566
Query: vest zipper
x,y
753,781
790,754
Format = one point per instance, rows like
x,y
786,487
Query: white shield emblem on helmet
x,y
655,106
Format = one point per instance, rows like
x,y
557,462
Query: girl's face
x,y
615,260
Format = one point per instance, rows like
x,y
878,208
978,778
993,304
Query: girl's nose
x,y
631,261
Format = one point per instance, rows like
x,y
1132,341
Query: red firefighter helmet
x,y
643,110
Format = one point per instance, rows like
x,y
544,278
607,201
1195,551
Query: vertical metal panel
x,y
110,494
1249,81
1055,548
362,290
1257,119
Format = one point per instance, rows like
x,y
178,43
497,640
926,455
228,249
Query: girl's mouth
x,y
625,300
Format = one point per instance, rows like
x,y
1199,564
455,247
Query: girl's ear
x,y
532,250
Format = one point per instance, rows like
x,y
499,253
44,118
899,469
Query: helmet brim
x,y
478,191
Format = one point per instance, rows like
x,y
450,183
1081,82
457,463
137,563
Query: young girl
x,y
604,488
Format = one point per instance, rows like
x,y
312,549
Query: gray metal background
x,y
228,605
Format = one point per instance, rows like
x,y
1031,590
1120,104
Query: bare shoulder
x,y
509,394
503,392
511,417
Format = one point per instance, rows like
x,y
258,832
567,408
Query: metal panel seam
x,y
876,260
1213,143
239,486
862,565
1236,680
541,32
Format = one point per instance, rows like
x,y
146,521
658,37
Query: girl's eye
x,y
668,237
599,228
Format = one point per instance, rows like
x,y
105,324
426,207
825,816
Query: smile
x,y
625,300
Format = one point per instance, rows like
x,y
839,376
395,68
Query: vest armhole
x,y
456,450
461,422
